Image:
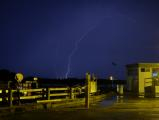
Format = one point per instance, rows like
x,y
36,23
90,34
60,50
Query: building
x,y
142,78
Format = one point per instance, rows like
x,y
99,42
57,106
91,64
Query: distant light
x,y
111,78
35,78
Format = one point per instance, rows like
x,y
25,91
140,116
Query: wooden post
x,y
72,93
87,91
9,84
43,93
3,96
48,105
18,96
10,97
48,93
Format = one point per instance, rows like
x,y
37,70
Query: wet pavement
x,y
110,109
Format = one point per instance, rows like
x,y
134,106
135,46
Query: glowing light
x,y
35,78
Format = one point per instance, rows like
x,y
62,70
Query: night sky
x,y
68,38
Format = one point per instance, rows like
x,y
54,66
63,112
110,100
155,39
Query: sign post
x,y
19,77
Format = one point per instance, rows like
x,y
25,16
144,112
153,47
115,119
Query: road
x,y
111,109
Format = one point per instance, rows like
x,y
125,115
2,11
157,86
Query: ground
x,y
110,109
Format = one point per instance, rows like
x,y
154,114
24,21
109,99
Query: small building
x,y
143,78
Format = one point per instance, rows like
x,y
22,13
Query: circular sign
x,y
19,77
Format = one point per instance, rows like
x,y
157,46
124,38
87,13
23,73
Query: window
x,y
145,69
142,69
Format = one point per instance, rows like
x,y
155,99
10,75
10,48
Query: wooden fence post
x,y
72,93
48,93
10,97
87,91
18,96
3,96
43,93
48,105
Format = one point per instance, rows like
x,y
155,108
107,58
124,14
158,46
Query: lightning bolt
x,y
76,45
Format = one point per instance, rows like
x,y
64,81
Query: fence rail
x,y
64,88
33,90
42,94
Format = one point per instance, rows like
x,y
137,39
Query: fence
x,y
41,95
12,97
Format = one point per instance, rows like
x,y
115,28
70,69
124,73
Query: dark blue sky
x,y
39,37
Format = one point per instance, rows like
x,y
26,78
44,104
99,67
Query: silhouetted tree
x,y
6,75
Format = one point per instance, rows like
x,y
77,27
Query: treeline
x,y
6,75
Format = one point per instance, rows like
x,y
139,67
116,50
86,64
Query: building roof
x,y
143,65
